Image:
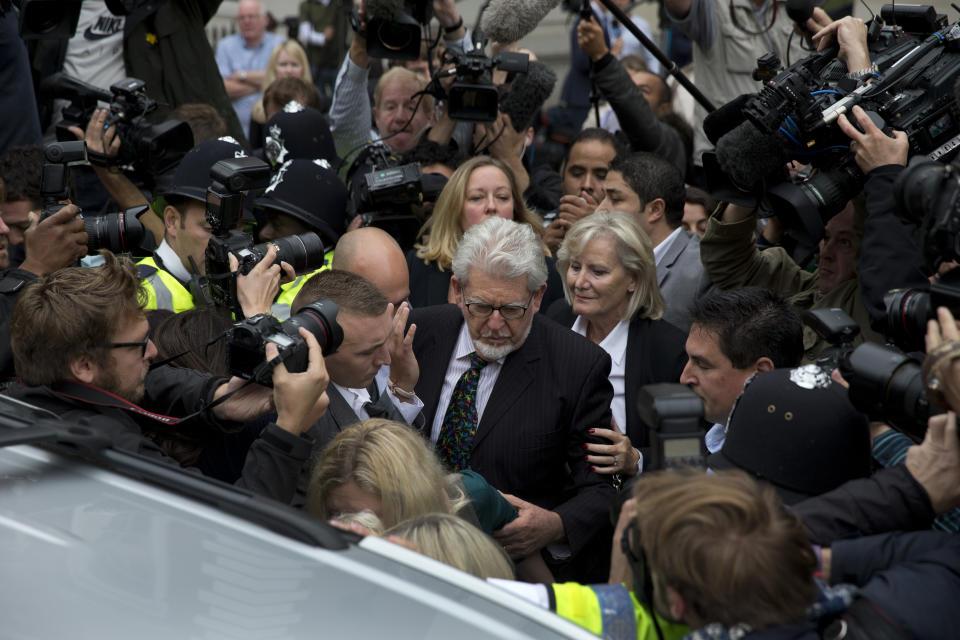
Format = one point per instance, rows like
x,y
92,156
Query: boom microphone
x,y
527,93
747,155
510,20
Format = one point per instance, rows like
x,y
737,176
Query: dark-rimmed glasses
x,y
142,344
485,310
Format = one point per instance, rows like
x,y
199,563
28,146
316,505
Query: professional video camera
x,y
674,415
393,27
917,61
230,181
248,338
152,149
119,232
385,195
473,97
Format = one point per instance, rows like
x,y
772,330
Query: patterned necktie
x,y
460,422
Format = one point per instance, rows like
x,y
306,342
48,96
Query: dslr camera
x,y
120,232
249,337
674,415
231,180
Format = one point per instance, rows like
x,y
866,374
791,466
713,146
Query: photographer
x,y
400,117
163,44
634,110
82,349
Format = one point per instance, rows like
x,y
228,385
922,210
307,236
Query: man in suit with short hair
x,y
372,337
512,396
653,189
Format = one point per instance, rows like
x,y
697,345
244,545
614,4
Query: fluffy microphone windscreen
x,y
527,93
747,155
510,20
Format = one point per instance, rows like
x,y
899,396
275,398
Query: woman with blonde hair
x,y
388,468
453,541
287,60
480,188
612,298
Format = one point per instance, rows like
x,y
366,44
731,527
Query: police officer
x,y
172,274
304,195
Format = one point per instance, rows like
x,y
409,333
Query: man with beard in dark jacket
x,y
82,349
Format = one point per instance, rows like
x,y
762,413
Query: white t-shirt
x,y
95,52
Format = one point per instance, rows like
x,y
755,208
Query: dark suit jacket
x,y
655,353
529,440
681,278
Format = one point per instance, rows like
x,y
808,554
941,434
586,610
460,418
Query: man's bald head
x,y
374,254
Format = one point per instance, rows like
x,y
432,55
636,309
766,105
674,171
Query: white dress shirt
x,y
356,398
459,363
661,249
615,344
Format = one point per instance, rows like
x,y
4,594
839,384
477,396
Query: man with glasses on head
x,y
513,396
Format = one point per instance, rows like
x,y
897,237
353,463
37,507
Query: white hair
x,y
501,248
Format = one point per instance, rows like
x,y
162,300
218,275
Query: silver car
x,y
98,543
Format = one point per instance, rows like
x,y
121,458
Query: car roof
x,y
92,551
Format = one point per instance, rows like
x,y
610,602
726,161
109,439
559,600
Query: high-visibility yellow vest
x,y
289,291
611,611
164,291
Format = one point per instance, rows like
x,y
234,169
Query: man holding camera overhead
x,y
82,349
394,105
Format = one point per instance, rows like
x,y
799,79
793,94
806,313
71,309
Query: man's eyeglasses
x,y
142,344
485,310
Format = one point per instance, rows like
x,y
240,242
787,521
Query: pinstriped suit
x,y
528,443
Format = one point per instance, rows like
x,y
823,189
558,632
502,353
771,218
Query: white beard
x,y
492,354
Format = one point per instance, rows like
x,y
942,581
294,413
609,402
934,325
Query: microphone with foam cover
x,y
800,10
387,10
510,20
527,93
747,155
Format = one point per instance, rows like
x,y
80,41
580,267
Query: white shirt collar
x,y
661,249
615,344
172,262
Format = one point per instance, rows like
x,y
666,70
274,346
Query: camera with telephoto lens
x,y
918,63
231,180
674,415
248,339
152,149
472,96
928,195
119,232
887,385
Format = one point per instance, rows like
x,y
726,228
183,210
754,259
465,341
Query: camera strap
x,y
89,394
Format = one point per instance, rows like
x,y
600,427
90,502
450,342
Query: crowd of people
x,y
453,334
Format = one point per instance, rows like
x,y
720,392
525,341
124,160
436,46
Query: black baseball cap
x,y
298,132
311,192
192,177
796,429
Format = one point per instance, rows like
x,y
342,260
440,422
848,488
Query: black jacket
x,y
273,461
655,353
643,129
12,282
889,500
912,578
